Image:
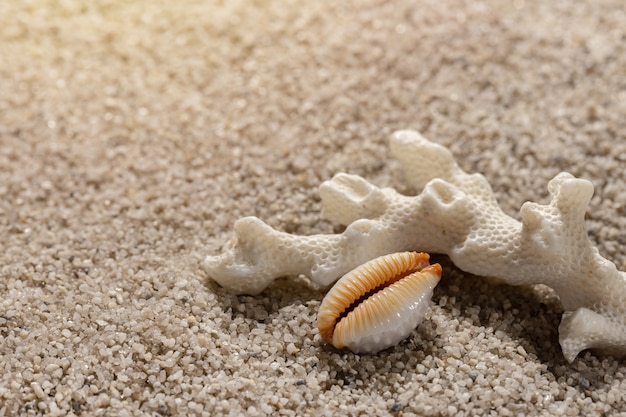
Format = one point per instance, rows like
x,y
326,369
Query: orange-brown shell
x,y
379,303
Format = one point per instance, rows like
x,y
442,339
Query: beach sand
x,y
134,134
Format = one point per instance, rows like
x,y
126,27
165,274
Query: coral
x,y
455,214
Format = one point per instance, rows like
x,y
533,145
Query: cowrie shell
x,y
379,303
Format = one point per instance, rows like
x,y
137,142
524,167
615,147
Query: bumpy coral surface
x,y
455,214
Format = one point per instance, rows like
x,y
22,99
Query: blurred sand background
x,y
133,135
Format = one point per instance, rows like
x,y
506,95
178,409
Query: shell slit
x,y
387,283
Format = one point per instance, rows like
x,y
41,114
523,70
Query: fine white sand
x,y
133,135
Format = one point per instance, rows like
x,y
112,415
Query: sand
x,y
133,135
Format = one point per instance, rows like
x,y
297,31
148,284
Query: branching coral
x,y
455,214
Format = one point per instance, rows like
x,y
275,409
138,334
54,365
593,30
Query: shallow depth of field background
x,y
133,135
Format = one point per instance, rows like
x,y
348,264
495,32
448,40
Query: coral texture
x,y
455,214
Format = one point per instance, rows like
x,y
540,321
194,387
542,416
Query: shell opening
x,y
388,282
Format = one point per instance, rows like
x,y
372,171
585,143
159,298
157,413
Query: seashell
x,y
379,303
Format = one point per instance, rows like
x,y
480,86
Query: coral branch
x,y
456,214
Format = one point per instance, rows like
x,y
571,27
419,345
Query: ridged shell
x,y
378,304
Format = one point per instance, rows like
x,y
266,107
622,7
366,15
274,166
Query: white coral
x,y
455,214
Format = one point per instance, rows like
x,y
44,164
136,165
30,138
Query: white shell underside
x,y
387,316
